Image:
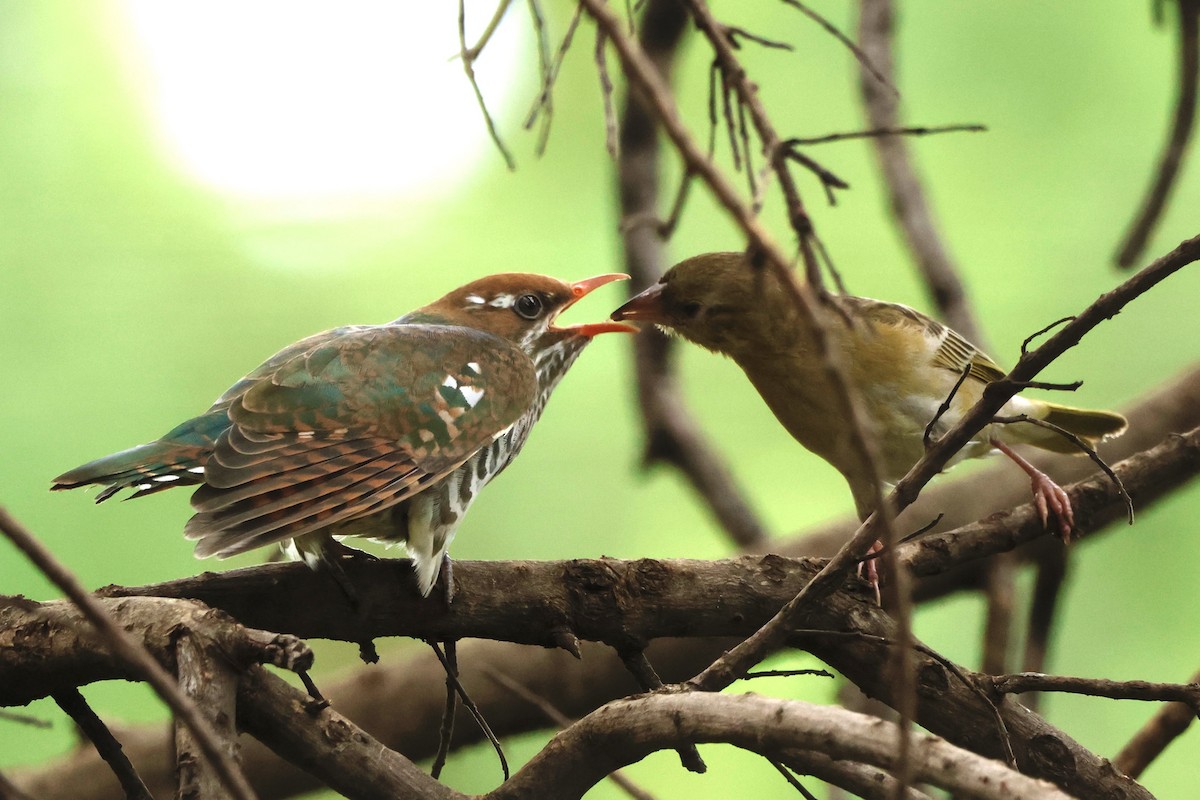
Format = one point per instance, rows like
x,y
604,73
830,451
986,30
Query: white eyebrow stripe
x,y
476,299
502,301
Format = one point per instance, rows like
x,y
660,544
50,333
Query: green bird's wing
x,y
951,352
359,420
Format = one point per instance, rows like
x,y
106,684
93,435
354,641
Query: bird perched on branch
x,y
383,431
903,364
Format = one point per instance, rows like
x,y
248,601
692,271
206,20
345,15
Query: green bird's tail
x,y
177,459
1089,425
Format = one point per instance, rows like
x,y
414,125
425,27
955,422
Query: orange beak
x,y
645,307
582,288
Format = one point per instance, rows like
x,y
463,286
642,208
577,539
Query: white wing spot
x,y
306,434
474,367
471,394
141,487
166,478
451,382
197,470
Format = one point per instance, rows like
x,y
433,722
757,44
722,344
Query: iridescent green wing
x,y
359,422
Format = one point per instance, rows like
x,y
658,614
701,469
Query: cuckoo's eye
x,y
529,306
690,310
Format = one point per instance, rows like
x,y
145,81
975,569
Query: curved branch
x,y
628,730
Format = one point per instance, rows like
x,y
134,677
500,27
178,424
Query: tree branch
x,y
627,730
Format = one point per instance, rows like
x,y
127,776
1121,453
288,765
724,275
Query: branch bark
x,y
627,730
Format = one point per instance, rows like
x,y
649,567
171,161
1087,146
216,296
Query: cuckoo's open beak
x,y
580,289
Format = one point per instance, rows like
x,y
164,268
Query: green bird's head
x,y
716,300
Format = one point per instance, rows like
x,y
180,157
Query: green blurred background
x,y
186,187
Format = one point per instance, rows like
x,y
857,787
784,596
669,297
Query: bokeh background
x,y
186,187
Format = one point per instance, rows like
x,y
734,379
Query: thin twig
x,y
862,57
468,62
73,703
469,704
732,33
927,437
1020,682
25,719
792,780
829,181
1029,339
134,654
1181,132
786,673
544,103
1149,742
611,140
446,731
485,37
879,133
1083,447
545,72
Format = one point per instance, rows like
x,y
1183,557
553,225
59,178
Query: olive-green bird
x,y
383,431
903,363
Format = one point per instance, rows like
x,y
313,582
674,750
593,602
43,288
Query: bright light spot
x,y
318,101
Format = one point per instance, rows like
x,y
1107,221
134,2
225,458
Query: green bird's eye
x,y
529,306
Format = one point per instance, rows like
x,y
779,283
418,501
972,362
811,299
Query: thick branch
x,y
45,647
623,602
325,743
627,730
210,681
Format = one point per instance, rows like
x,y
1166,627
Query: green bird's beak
x,y
646,307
